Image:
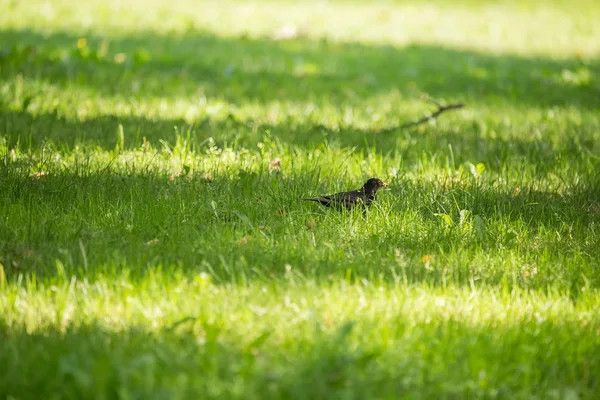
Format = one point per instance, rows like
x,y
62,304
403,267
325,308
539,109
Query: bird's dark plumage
x,y
365,195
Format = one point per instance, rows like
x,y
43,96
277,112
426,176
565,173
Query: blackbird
x,y
365,196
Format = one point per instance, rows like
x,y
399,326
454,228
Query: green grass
x,y
152,246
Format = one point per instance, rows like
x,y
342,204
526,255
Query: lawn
x,y
151,240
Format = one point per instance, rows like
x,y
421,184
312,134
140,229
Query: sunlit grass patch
x,y
311,340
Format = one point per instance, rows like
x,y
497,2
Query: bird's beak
x,y
384,184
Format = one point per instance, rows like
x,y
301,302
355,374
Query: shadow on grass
x,y
248,226
259,71
466,144
243,70
425,360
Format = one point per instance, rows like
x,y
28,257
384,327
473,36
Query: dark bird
x,y
365,196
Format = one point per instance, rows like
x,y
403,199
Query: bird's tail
x,y
311,198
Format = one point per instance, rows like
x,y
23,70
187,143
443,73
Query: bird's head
x,y
373,184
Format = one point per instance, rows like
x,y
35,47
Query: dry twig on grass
x,y
440,110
